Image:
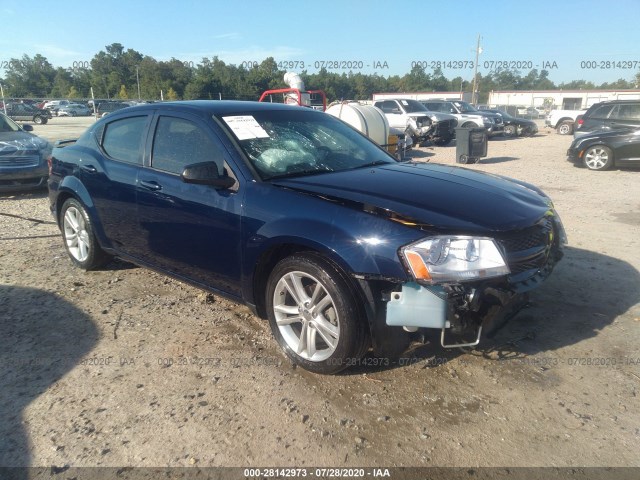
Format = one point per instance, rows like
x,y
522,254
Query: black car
x,y
609,115
515,127
314,226
601,151
25,112
23,157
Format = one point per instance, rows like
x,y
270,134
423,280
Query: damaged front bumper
x,y
469,310
463,312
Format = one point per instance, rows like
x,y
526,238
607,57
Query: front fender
x,y
367,248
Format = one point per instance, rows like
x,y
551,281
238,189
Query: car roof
x,y
219,107
618,101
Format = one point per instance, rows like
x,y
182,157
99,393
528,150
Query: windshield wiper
x,y
373,164
299,173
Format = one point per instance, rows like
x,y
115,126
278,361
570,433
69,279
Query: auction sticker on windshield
x,y
245,127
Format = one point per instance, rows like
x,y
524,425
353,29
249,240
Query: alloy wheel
x,y
306,316
75,234
597,158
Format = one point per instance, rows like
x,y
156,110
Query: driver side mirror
x,y
206,173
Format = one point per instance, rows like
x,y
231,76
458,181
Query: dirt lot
x,y
125,367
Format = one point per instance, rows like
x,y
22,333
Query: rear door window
x,y
389,106
602,111
122,139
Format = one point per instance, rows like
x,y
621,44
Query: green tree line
x,y
118,73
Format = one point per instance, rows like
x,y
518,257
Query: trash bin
x,y
471,144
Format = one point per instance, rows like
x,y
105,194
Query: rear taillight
x,y
49,163
580,122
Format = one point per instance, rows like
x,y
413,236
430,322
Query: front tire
x,y
314,316
441,142
598,158
79,237
38,120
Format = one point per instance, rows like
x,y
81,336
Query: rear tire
x,y
38,120
79,237
314,315
510,131
565,128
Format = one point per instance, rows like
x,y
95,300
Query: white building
x,y
466,96
559,99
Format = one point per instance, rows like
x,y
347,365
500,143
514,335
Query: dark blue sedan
x,y
23,157
304,219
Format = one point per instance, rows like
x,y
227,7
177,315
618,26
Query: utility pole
x,y
138,80
475,73
4,104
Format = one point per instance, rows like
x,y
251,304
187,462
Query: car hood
x,y
419,114
485,113
433,196
476,116
439,116
20,143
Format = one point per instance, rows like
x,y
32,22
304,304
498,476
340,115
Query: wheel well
x,y
62,197
264,267
565,119
269,260
601,145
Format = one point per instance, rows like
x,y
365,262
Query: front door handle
x,y
151,185
88,168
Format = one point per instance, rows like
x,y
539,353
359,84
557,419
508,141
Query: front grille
x,y
536,262
26,161
537,235
445,126
529,249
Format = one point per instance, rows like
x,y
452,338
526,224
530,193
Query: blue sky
x,y
365,32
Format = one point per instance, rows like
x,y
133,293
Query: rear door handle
x,y
88,168
151,185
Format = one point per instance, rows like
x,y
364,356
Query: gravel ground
x,y
125,367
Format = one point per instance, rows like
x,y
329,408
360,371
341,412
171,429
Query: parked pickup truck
x,y
562,120
27,113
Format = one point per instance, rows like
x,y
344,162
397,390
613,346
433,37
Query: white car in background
x,y
54,105
73,110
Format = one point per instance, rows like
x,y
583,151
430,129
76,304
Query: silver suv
x,y
413,118
467,115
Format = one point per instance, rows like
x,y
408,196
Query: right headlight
x,y
447,259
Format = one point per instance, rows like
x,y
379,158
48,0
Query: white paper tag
x,y
245,127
